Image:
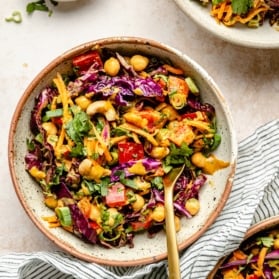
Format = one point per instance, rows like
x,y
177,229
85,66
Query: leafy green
x,y
30,145
265,241
40,5
79,126
127,182
52,113
179,155
239,6
117,132
99,188
78,150
157,182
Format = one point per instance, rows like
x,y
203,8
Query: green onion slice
x,y
192,86
64,215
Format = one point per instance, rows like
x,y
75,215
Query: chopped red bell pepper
x,y
116,196
251,276
191,115
94,225
84,61
128,151
57,121
144,225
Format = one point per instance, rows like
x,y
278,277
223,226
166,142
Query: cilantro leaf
x,y
100,188
265,241
178,155
40,5
37,6
79,126
241,6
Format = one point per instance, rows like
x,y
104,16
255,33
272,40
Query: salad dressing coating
x,y
257,257
252,13
104,137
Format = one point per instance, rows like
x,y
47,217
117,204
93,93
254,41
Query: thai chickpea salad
x,y
257,257
104,137
252,13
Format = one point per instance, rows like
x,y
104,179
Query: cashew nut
x,y
103,107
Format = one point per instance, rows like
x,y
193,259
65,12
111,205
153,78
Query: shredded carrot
x,y
60,143
173,70
261,258
140,132
239,255
223,12
58,81
50,219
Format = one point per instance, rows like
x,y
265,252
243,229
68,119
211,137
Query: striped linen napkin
x,y
254,197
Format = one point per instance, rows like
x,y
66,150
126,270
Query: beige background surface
x,y
247,77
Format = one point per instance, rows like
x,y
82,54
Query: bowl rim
x,y
258,227
225,33
65,57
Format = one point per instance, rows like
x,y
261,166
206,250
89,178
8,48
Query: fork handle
x,y
173,256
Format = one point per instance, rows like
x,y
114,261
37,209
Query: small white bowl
x,y
257,229
265,37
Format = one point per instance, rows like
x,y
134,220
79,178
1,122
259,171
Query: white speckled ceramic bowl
x,y
213,196
264,225
265,37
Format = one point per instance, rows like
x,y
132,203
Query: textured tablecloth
x,y
254,197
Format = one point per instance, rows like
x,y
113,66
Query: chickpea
x,y
112,66
142,185
139,203
112,214
193,206
139,62
50,128
177,223
170,112
51,202
276,243
159,152
95,213
84,206
85,167
158,213
83,102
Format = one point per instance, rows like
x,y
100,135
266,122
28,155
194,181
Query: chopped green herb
x,y
178,155
98,188
30,145
265,241
157,182
239,6
192,86
64,215
16,17
78,150
40,6
52,113
79,126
